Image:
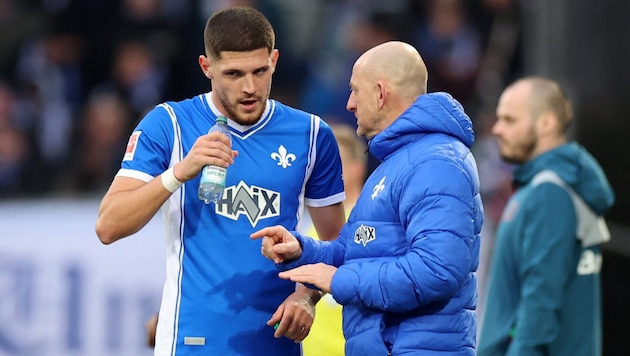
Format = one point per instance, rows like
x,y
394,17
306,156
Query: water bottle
x,y
213,178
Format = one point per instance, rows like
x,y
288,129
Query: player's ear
x,y
206,66
273,56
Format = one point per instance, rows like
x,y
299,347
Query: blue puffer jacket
x,y
408,253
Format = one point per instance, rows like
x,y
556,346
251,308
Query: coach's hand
x,y
278,244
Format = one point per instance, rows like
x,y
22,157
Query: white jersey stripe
x,y
174,236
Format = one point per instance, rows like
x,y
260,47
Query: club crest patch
x,y
378,188
131,146
283,157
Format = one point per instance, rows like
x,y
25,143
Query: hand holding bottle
x,y
213,148
213,177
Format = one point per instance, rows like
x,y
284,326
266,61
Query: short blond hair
x,y
547,95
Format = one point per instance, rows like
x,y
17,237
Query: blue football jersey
x,y
219,290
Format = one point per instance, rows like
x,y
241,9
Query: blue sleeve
x,y
437,210
547,251
315,251
150,144
326,177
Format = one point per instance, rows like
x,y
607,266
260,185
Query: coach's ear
x,y
206,66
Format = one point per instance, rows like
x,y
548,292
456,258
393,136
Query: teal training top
x,y
544,290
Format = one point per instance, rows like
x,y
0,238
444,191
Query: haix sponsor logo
x,y
364,234
254,202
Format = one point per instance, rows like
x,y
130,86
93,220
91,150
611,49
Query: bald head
x,y
545,95
386,80
399,65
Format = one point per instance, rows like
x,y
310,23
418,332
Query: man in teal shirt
x,y
544,290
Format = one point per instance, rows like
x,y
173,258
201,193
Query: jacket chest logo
x,y
364,234
283,157
378,188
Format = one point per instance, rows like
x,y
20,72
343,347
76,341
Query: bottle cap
x,y
221,119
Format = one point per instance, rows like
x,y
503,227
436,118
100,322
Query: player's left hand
x,y
295,315
319,275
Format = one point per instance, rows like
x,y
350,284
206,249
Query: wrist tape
x,y
169,181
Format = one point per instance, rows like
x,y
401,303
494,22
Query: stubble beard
x,y
248,119
522,152
372,126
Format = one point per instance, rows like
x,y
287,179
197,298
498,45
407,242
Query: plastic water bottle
x,y
213,178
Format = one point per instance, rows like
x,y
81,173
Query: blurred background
x,y
77,75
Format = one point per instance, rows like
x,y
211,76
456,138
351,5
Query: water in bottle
x,y
213,178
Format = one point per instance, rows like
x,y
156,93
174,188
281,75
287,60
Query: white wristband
x,y
169,181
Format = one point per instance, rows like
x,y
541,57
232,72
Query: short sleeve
x,y
325,185
149,147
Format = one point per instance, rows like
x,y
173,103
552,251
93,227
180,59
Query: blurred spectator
x,y
18,19
451,48
101,141
13,145
155,22
145,42
49,70
148,22
352,29
138,77
502,36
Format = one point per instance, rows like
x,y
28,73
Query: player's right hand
x,y
210,149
